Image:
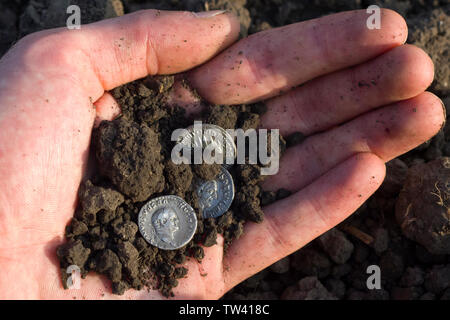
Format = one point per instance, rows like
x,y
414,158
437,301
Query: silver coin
x,y
215,196
167,222
213,137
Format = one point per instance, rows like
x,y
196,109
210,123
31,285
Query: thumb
x,y
146,42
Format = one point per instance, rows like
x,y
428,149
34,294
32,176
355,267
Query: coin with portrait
x,y
215,196
167,222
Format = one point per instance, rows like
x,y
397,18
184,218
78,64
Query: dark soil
x,y
414,265
133,157
423,216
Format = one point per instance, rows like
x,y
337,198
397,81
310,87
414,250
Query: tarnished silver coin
x,y
167,222
215,196
212,137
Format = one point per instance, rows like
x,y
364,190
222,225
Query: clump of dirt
x,y
122,149
423,206
206,171
429,30
223,116
134,166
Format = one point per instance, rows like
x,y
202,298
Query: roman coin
x,y
215,196
167,222
212,137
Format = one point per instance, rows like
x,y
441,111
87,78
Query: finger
x,y
116,51
387,132
268,62
399,74
106,108
205,279
183,96
156,42
293,222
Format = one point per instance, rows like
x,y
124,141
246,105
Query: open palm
x,y
361,104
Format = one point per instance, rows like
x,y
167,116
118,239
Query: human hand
x,y
365,106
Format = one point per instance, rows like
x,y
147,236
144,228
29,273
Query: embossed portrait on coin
x,y
209,193
166,223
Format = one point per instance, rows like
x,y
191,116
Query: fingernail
x,y
208,14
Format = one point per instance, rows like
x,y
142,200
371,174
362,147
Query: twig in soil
x,y
364,237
